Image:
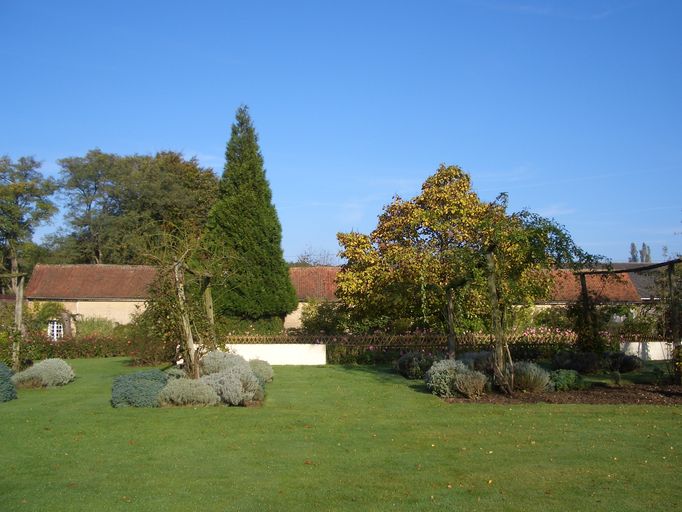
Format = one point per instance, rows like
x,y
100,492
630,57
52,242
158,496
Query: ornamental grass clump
x,y
414,365
139,389
47,373
8,391
236,386
530,377
262,370
217,361
188,392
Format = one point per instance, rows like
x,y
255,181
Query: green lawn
x,y
332,438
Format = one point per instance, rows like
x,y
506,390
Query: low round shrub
x,y
414,365
217,361
624,363
262,370
479,361
139,389
175,373
8,391
47,373
188,392
530,377
471,383
581,362
440,378
566,380
235,386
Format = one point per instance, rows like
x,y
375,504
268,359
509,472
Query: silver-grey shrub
x,y
440,378
262,370
188,392
530,377
175,373
471,384
217,361
46,373
235,386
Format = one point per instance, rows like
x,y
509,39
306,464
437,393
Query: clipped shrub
x,y
471,384
262,370
566,380
530,377
217,361
624,363
5,370
8,391
479,361
175,373
188,392
440,378
414,365
581,362
235,386
139,389
47,373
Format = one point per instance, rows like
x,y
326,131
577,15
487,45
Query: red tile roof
x,y
70,282
603,288
314,282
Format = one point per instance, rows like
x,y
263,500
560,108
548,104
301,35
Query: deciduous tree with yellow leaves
x,y
448,261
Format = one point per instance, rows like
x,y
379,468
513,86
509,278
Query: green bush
x,y
175,373
47,373
566,380
323,318
235,386
8,390
624,363
414,365
217,361
581,362
440,378
188,392
262,370
530,377
481,361
139,389
233,326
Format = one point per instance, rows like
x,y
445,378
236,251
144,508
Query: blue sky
x,y
572,107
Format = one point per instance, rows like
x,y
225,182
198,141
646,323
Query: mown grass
x,y
332,438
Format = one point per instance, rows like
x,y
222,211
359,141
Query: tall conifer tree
x,y
243,224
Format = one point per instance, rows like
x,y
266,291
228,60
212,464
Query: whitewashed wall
x,y
649,351
283,353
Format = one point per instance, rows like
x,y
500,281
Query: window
x,y
55,330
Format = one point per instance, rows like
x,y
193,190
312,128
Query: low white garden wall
x,y
282,353
648,351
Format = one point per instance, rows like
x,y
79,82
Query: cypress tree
x,y
243,226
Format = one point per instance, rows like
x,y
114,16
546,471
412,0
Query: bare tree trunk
x,y
451,323
190,348
503,372
208,305
18,321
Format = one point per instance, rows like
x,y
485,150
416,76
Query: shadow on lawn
x,y
386,375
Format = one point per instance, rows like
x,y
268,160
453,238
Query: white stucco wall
x,y
650,351
284,353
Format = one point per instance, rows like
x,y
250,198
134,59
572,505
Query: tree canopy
x,y
114,202
426,263
244,224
